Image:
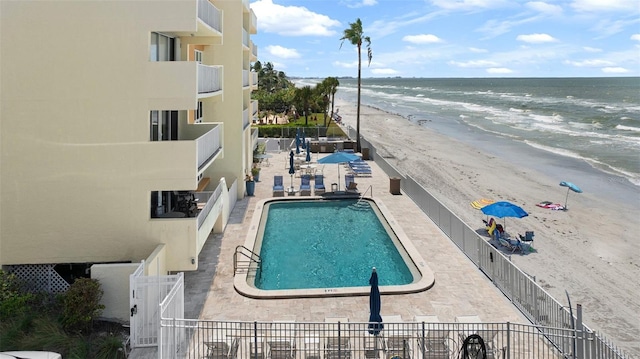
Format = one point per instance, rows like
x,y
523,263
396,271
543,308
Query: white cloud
x,y
545,8
282,52
591,49
589,63
469,4
292,20
358,4
499,70
614,70
635,37
536,38
477,50
422,39
474,63
384,71
606,5
346,65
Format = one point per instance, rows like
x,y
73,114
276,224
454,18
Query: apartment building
x,y
124,134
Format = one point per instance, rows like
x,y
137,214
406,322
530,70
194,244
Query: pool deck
x,y
460,288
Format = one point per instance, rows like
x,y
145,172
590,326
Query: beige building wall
x,y
77,165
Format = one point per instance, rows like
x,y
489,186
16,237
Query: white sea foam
x,y
628,128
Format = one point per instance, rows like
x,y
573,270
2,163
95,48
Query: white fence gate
x,y
147,292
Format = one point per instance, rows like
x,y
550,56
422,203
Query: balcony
x,y
186,233
245,78
254,51
209,80
254,80
245,39
207,29
245,118
210,16
254,108
253,27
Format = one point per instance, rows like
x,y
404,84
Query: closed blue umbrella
x,y
504,209
292,169
570,187
375,320
338,157
297,141
308,152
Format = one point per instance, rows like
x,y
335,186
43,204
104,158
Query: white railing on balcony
x,y
246,4
245,38
208,145
254,107
210,14
254,49
210,199
245,118
209,78
254,79
245,78
254,21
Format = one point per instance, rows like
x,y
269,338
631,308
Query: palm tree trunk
x,y
358,109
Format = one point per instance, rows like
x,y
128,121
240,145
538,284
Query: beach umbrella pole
x,y
566,198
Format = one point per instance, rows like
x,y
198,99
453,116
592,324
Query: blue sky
x,y
452,38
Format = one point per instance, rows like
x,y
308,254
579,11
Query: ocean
x,y
593,120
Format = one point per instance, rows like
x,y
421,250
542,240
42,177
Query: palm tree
x,y
355,36
332,83
303,97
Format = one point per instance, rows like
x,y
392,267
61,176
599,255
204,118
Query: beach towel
x,y
550,205
481,203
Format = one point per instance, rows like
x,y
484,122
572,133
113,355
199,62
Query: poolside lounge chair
x,y
305,185
350,184
433,337
221,346
490,337
337,343
278,186
319,185
397,339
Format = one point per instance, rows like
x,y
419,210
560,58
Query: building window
x,y
197,56
162,48
197,114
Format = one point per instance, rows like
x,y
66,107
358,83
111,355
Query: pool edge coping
x,y
426,281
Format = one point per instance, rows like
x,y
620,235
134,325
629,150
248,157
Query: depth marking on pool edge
x,y
330,290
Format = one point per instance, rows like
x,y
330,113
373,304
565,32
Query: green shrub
x,y
81,304
13,300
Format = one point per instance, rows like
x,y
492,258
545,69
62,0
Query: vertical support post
x,y
255,340
580,330
507,348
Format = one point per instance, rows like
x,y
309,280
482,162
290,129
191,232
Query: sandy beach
x,y
590,250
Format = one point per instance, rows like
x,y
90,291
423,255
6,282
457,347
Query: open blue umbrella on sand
x,y
338,157
375,320
504,209
570,187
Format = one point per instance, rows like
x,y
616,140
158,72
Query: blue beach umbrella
x,y
292,169
338,157
572,187
308,152
375,320
504,209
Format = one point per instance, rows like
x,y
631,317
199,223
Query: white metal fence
x,y
346,340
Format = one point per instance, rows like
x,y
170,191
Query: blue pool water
x,y
327,244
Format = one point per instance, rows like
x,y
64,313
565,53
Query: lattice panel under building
x,y
40,277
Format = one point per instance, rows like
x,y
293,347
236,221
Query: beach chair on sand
x,y
278,186
527,238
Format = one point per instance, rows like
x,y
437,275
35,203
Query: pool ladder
x,y
243,262
360,205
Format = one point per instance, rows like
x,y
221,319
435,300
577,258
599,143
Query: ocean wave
x,y
628,128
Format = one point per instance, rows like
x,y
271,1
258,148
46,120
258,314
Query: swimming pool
x,y
318,247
